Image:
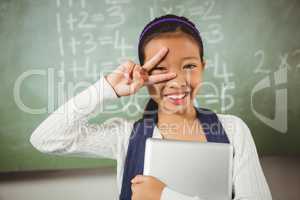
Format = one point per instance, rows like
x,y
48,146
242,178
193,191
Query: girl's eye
x,y
158,70
189,66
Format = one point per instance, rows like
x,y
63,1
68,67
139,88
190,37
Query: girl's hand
x,y
129,77
146,188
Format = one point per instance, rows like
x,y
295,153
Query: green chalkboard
x,y
52,49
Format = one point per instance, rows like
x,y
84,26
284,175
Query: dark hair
x,y
166,24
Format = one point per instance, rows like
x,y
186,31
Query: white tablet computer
x,y
194,168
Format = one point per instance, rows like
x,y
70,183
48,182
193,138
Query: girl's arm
x,y
67,131
249,182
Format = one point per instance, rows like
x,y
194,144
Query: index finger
x,y
155,59
138,179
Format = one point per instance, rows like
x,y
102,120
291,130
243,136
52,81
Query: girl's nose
x,y
178,82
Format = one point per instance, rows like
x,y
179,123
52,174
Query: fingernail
x,y
164,49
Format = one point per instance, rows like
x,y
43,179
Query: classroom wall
x,y
282,174
53,49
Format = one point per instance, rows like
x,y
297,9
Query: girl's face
x,y
183,58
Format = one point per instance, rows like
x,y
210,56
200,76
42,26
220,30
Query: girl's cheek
x,y
155,91
196,83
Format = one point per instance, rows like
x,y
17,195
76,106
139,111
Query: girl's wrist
x,y
110,82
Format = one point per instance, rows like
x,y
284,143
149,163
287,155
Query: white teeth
x,y
176,96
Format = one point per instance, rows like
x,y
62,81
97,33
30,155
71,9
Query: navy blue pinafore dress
x,y
143,129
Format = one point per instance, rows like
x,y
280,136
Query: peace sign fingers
x,y
155,59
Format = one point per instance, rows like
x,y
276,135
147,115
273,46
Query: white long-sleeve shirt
x,y
67,131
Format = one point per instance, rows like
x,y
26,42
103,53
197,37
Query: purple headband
x,y
168,20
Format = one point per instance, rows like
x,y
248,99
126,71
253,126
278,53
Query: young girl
x,y
171,67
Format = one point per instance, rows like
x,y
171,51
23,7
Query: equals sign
x,y
196,11
107,64
97,17
105,40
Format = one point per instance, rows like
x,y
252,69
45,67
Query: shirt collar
x,y
156,133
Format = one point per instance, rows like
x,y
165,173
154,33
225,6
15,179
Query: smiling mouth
x,y
177,98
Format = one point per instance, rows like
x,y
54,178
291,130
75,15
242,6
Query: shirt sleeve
x,y
249,182
67,131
